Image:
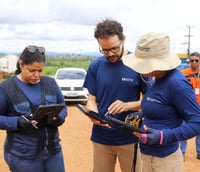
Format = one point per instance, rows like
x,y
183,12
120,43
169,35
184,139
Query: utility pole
x,y
189,36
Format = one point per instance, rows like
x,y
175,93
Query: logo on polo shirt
x,y
128,79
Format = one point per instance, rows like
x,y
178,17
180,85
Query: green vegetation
x,y
54,63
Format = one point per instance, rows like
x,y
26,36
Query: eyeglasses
x,y
33,49
113,49
192,61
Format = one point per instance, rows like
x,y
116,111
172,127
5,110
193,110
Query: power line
x,y
189,36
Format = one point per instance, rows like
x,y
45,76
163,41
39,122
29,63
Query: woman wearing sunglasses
x,y
29,145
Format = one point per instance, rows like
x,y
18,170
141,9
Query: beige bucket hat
x,y
152,53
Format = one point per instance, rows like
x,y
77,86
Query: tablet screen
x,y
43,111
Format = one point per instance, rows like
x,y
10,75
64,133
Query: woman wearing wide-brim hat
x,y
168,102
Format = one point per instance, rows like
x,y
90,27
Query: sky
x,y
68,25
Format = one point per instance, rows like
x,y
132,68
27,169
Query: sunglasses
x,y
33,49
192,61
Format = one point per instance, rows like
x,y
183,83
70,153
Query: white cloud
x,y
68,25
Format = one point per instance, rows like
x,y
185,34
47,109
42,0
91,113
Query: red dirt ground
x,y
77,148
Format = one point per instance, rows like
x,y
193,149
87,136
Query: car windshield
x,y
66,74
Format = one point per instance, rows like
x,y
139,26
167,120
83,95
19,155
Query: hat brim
x,y
149,64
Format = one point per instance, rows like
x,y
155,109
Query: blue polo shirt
x,y
109,82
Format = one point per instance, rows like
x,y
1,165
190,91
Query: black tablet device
x,y
95,116
43,111
107,119
125,125
91,114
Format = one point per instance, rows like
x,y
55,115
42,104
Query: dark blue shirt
x,y
109,82
165,105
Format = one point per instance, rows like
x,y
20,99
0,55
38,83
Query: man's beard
x,y
119,58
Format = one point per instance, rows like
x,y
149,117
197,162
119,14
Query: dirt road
x,y
77,148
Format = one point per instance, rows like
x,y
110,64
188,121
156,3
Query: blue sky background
x,y
68,25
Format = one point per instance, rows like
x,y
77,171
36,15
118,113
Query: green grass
x,y
54,63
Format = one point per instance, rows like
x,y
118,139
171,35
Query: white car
x,y
71,81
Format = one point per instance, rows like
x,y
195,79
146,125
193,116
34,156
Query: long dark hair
x,y
30,55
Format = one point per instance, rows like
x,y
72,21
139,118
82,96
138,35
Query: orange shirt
x,y
194,79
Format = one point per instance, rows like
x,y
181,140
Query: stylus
x,y
29,121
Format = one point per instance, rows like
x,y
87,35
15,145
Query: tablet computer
x,y
91,114
107,119
43,111
125,125
95,115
